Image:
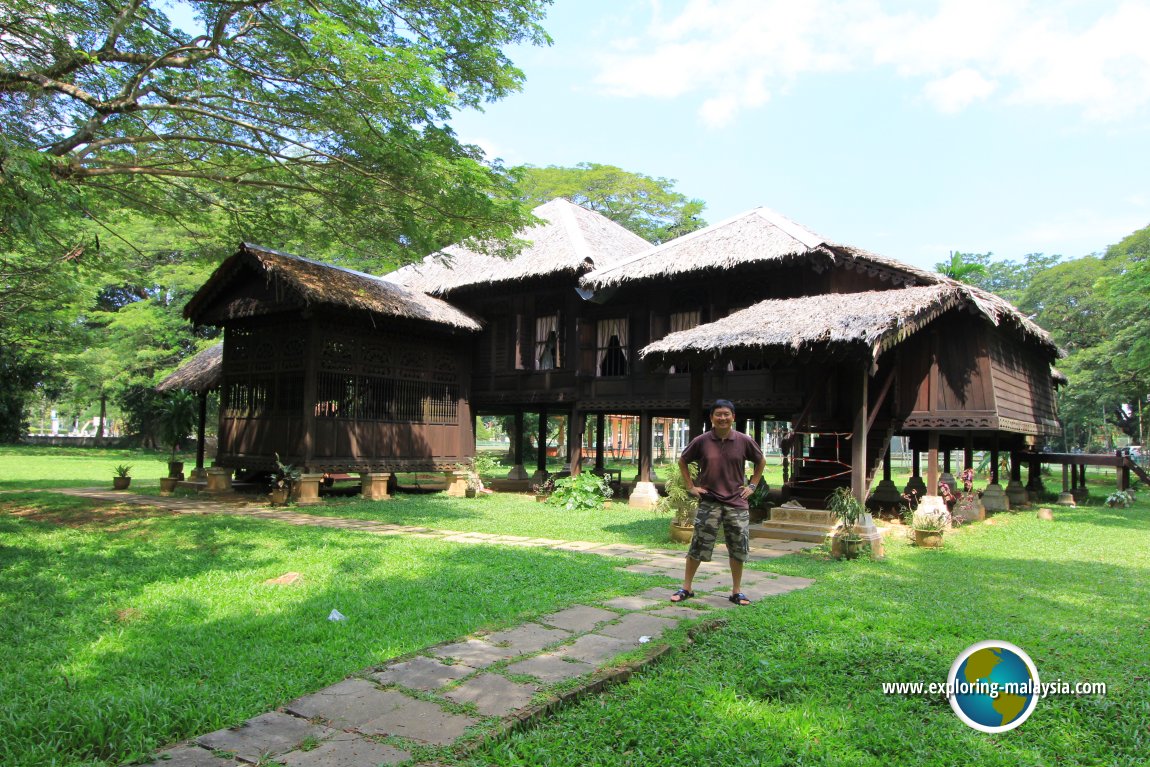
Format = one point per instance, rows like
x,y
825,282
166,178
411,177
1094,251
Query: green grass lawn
x,y
507,514
797,679
24,467
124,632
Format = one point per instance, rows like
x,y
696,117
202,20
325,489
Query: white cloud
x,y
733,54
958,91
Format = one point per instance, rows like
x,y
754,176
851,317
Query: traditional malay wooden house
x,y
334,370
343,371
848,346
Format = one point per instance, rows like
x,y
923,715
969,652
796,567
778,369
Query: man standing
x,y
722,491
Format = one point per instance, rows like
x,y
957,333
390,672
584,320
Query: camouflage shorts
x,y
736,530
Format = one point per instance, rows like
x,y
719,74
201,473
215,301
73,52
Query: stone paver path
x,y
450,692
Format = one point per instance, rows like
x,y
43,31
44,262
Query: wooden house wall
x,y
332,395
1024,388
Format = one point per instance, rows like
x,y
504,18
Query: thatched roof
x,y
758,236
570,240
317,283
200,373
865,324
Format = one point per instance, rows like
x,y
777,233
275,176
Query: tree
x,y
961,267
647,206
322,123
291,114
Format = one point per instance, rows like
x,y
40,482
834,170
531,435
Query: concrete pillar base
x,y
373,485
539,477
950,480
219,480
1017,494
916,484
307,489
1080,494
456,483
994,498
885,495
517,472
643,496
1066,498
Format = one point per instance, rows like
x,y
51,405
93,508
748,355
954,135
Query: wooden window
x,y
683,321
611,351
376,398
547,342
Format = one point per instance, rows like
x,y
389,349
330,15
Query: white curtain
x,y
683,321
607,329
547,342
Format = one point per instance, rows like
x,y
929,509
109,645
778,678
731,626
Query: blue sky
x,y
908,128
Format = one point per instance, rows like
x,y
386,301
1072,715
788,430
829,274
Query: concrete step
x,y
790,531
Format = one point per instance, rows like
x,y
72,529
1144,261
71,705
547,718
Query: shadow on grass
x,y
123,642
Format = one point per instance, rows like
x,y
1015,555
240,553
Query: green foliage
x,y
961,269
178,414
1120,499
647,206
678,502
585,490
285,475
935,519
109,106
123,470
844,507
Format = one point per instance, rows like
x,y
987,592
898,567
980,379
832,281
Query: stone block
x,y
422,674
347,704
579,618
636,625
346,750
418,720
528,638
474,653
550,668
596,649
272,733
493,695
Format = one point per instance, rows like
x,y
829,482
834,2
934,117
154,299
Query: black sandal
x,y
681,595
739,599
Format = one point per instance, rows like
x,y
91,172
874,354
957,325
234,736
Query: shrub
x,y
584,490
678,501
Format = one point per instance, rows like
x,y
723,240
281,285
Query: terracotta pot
x,y
928,539
121,483
850,547
682,533
540,498
167,485
176,469
278,496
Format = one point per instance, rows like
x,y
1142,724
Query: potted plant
x,y
681,505
849,511
123,477
928,523
543,489
282,481
177,417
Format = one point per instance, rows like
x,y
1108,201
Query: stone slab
x,y
636,625
659,593
645,569
678,610
631,603
596,649
190,756
718,601
418,720
346,750
271,733
579,618
421,674
349,703
493,695
528,638
550,668
474,653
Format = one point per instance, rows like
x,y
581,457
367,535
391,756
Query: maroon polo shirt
x,y
721,468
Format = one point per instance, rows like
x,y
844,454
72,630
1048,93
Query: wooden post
x,y
575,440
200,434
541,453
886,465
600,436
994,461
968,453
645,440
915,463
932,464
859,439
696,405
